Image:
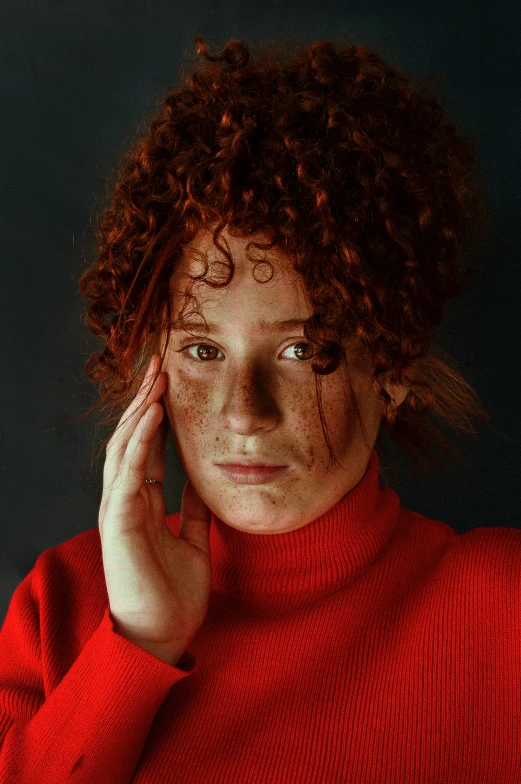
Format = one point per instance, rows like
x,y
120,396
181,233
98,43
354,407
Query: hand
x,y
158,584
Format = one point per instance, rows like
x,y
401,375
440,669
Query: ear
x,y
398,392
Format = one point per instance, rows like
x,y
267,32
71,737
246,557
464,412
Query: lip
x,y
255,474
253,463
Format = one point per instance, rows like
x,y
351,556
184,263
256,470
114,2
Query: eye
x,y
206,347
299,348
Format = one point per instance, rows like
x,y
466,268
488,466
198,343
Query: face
x,y
242,394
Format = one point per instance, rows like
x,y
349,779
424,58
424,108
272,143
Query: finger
x,y
139,446
133,462
195,518
111,476
155,465
127,423
121,492
118,443
155,469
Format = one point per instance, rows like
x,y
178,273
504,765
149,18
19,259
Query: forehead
x,y
256,293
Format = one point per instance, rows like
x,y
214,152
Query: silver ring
x,y
153,481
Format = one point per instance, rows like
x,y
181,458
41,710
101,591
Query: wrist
x,y
170,653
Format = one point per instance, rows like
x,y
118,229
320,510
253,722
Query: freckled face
x,y
238,393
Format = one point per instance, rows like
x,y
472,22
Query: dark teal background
x,y
77,80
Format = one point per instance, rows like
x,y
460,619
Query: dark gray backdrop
x,y
77,79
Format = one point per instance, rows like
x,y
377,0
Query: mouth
x,y
250,473
248,464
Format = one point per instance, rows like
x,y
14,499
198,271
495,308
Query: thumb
x,y
195,518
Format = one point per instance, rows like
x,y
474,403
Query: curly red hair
x,y
344,165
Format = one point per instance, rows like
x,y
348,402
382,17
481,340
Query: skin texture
x,y
245,394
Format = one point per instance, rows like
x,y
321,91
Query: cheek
x,y
188,407
339,413
338,406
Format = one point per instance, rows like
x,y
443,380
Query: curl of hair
x,y
344,165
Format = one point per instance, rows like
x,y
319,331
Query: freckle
x,y
311,457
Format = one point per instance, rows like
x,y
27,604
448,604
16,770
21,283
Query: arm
x,y
92,727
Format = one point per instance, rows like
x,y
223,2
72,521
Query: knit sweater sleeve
x,y
85,723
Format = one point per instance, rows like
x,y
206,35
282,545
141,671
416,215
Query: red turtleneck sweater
x,y
373,645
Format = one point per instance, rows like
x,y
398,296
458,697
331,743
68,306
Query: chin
x,y
243,519
250,527
260,519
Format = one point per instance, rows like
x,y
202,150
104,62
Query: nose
x,y
250,403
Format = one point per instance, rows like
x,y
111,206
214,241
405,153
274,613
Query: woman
x,y
276,249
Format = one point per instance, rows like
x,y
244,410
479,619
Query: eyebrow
x,y
263,327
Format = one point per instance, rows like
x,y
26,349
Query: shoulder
x,y
482,557
479,568
482,542
491,556
69,580
79,555
495,549
79,560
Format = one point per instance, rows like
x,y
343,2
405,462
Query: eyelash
x,y
209,345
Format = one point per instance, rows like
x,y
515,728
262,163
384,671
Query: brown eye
x,y
202,351
301,351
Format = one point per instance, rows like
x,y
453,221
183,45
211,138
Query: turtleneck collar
x,y
276,573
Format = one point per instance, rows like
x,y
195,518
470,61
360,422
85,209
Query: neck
x,y
275,573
